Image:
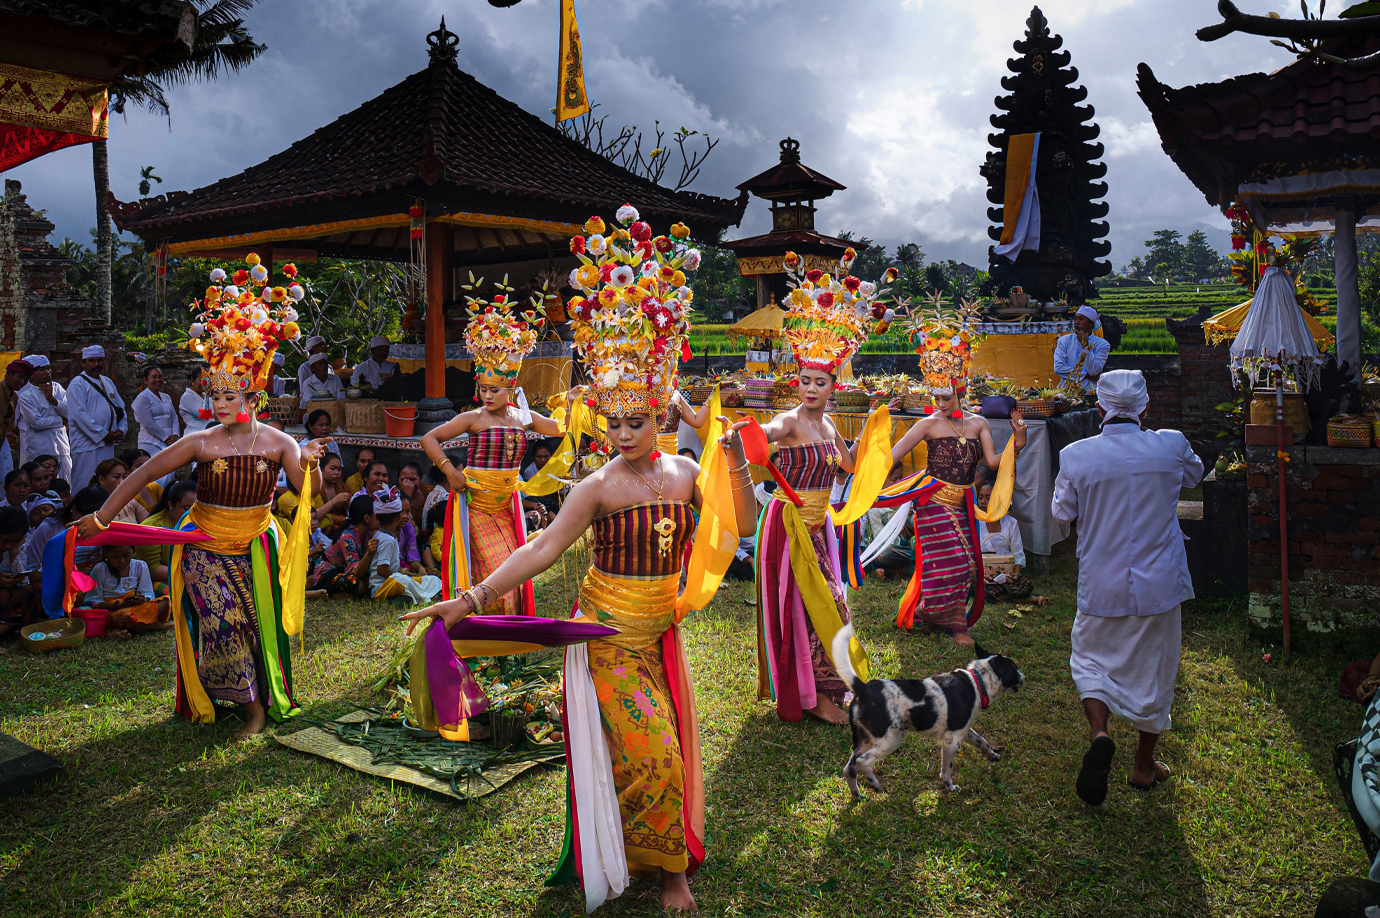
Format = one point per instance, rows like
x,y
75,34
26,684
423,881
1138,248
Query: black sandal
x,y
1091,786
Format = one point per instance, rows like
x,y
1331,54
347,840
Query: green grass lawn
x,y
156,817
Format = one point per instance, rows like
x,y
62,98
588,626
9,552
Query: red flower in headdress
x,y
814,275
577,245
640,231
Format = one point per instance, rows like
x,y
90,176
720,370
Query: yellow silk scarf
x,y
716,536
870,468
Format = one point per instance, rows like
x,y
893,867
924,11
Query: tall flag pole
x,y
571,99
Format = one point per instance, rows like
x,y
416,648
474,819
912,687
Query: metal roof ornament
x,y
443,45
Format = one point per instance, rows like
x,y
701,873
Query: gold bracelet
x,y
308,465
740,468
445,461
95,518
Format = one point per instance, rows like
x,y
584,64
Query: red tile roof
x,y
439,135
1222,134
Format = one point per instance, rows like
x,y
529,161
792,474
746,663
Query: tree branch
x,y
1233,20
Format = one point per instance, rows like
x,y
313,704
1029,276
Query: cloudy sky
x,y
889,97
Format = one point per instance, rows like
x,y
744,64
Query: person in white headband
x,y
279,383
1122,486
377,367
42,411
1080,355
320,382
96,416
389,578
314,345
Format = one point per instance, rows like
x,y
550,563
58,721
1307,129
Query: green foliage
x,y
147,344
131,279
717,286
1169,258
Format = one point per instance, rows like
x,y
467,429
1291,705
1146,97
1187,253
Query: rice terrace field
x,y
1144,310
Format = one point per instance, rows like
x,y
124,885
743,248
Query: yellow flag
x,y
571,100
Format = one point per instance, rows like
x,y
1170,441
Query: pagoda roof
x,y
441,136
790,179
801,241
1309,116
96,39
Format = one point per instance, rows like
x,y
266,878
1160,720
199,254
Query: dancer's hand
x,y
448,612
315,449
87,527
897,403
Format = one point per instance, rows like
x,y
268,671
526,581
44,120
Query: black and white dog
x,y
943,707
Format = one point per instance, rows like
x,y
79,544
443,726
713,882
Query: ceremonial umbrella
x,y
767,322
1224,326
1275,337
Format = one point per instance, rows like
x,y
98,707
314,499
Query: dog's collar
x,y
981,689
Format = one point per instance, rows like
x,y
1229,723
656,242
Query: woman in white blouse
x,y
157,416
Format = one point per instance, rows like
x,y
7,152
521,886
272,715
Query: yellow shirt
x,y
152,488
154,555
436,541
354,484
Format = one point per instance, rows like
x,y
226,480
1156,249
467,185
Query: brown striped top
x,y
497,448
807,468
237,481
954,462
646,540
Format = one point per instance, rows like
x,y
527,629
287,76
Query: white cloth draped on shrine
x,y
1274,334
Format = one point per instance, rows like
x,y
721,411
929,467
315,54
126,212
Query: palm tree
x,y
222,44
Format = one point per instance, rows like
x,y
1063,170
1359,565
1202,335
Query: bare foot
x,y
121,635
316,594
829,712
879,573
675,893
254,723
963,639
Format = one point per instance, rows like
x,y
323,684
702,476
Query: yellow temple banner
x,y
571,99
53,102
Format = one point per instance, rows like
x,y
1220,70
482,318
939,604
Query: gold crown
x,y
496,340
240,324
828,317
631,328
945,338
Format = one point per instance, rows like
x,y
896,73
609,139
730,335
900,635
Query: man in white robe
x,y
378,367
314,345
191,403
321,381
42,411
1080,355
1123,488
96,413
279,382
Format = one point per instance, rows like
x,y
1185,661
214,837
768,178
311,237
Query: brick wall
x,y
1334,526
1204,383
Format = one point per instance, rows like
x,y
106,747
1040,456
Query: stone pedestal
x,y
23,766
432,413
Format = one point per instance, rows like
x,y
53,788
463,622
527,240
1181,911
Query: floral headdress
x,y
945,338
239,325
495,338
631,329
828,317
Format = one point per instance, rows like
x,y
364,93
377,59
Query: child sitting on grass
x,y
124,587
434,552
344,569
385,581
18,600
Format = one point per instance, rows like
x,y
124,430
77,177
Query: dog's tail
x,y
842,663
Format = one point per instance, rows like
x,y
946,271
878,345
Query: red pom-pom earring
x,y
204,414
656,454
242,417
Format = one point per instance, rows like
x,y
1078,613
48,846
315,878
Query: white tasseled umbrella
x,y
1274,332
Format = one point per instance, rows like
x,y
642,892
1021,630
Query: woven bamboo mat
x,y
327,745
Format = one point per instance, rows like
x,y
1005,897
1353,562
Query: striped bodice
x,y
646,540
236,481
497,448
954,462
809,467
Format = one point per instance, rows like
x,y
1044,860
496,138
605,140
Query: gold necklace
x,y
656,491
261,466
962,440
829,458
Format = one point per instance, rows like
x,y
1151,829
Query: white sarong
x,y
1129,663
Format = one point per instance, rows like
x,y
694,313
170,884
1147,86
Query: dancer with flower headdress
x,y
484,518
631,733
799,593
948,554
238,592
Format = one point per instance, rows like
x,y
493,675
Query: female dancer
x,y
629,692
237,596
948,562
800,597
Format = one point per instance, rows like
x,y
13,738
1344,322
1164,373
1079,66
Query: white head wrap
x,y
378,341
387,501
313,341
279,359
1122,394
92,350
1088,313
37,360
315,358
42,500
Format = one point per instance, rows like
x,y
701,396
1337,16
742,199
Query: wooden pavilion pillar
x,y
1348,292
436,409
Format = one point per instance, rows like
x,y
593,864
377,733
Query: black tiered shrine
x,y
1043,99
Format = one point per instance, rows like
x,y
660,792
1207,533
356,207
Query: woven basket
x,y
852,399
506,730
335,407
700,394
1034,408
73,632
284,409
1349,433
785,402
365,415
916,401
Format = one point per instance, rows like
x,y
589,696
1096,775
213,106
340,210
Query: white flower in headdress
x,y
575,279
649,268
610,379
217,275
692,260
867,288
258,274
683,294
197,330
955,341
296,292
622,276
627,214
596,244
289,314
230,291
257,316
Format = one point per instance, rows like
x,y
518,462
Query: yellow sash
x,y
641,609
491,490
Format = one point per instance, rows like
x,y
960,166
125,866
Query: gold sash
x,y
641,609
815,509
231,528
491,490
951,495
